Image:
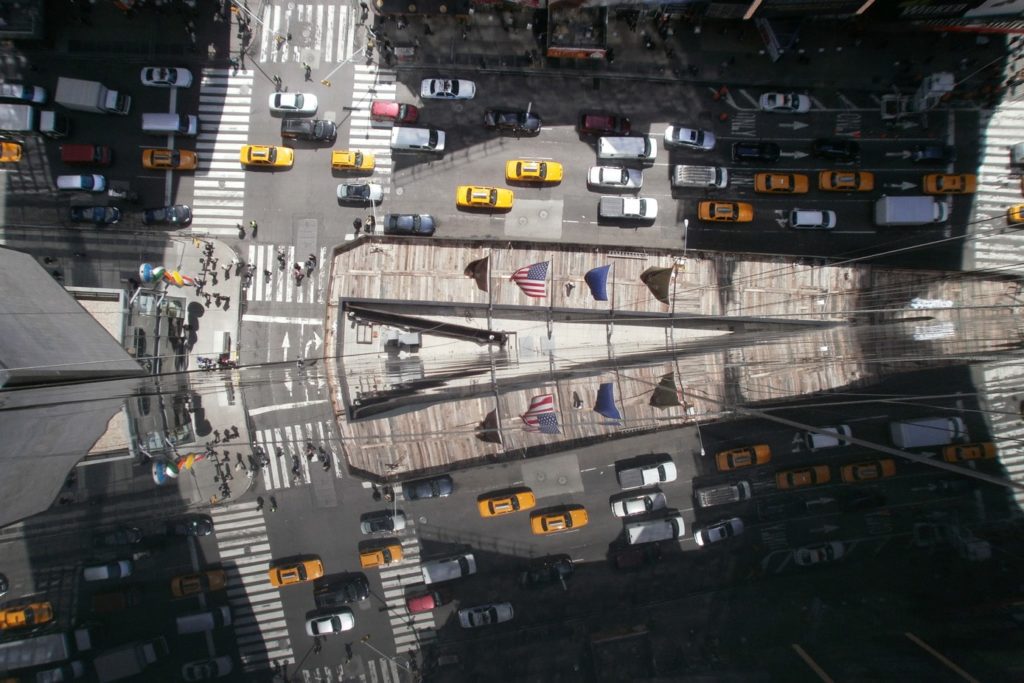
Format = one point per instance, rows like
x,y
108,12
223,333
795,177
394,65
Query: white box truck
x,y
91,96
910,211
23,118
929,431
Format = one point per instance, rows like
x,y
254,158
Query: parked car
x,y
785,103
544,522
546,571
387,110
89,182
933,153
836,149
780,183
728,212
756,151
434,487
266,155
295,572
310,130
638,504
817,553
124,535
525,171
485,615
366,193
297,103
99,215
592,123
719,531
206,669
694,138
166,77
324,624
615,178
178,214
504,503
409,224
447,89
382,521
353,588
513,121
199,582
172,159
191,525
868,471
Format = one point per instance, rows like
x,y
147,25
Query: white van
x,y
404,139
699,176
834,437
632,148
652,530
163,124
448,568
198,622
722,494
931,431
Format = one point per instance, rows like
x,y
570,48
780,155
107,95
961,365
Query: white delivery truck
x,y
23,118
632,208
699,176
91,96
910,211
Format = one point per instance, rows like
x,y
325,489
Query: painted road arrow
x,y
904,154
795,125
285,345
905,185
794,155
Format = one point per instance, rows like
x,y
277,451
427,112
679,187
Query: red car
x,y
386,110
425,602
603,124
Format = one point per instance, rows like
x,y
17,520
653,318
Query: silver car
x,y
820,552
300,104
615,177
638,504
166,77
447,89
719,531
485,615
694,138
360,192
323,624
785,103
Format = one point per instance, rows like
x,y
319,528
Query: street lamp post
x,y
365,640
686,227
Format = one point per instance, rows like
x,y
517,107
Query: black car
x,y
836,149
436,487
100,215
518,122
756,150
384,521
546,571
192,525
933,153
409,224
317,130
179,214
125,535
352,588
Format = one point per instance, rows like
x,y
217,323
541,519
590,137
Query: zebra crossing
x,y
364,135
282,443
224,107
319,33
279,285
411,631
261,632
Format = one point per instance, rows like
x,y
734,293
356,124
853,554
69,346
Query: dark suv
x,y
755,151
933,153
516,122
317,130
836,149
436,487
352,588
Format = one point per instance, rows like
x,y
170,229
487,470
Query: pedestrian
x,y
358,225
364,12
279,40
402,22
426,29
273,504
241,231
48,260
259,504
266,275
281,254
308,72
277,83
254,227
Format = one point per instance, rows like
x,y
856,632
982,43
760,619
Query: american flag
x,y
541,416
533,280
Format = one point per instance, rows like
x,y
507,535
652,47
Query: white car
x,y
447,89
719,531
820,552
694,138
82,183
166,77
615,177
303,104
485,615
638,504
360,192
206,669
785,103
323,624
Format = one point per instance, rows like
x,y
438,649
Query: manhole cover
x,y
399,190
521,220
563,480
543,213
541,476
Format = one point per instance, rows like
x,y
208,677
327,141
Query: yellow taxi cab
x,y
805,476
969,451
523,171
476,196
344,160
846,181
950,183
174,159
10,152
781,183
298,572
743,457
380,557
266,155
203,582
26,615
497,504
868,471
732,212
554,521
1015,214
